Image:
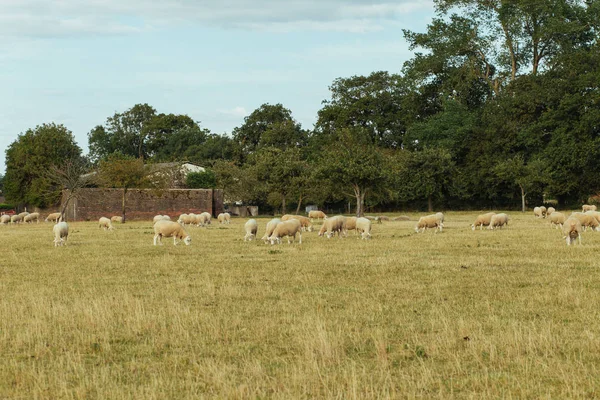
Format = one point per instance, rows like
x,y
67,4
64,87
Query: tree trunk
x,y
299,204
283,205
64,207
430,203
123,205
522,199
362,203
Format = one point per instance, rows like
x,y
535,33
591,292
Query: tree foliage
x,y
201,180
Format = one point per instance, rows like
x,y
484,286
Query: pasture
x,y
458,314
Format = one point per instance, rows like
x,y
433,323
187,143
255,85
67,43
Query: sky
x,y
78,62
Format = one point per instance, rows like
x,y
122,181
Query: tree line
x,y
499,107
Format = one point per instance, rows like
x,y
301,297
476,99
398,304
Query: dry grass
x,y
461,314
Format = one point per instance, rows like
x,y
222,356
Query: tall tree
x,y
525,175
70,175
30,156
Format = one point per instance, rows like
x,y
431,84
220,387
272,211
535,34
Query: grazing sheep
x,y
15,219
160,218
224,218
170,229
351,225
32,217
440,216
4,219
117,219
482,220
332,225
304,222
594,214
182,218
286,228
54,217
429,221
316,214
572,230
537,212
544,211
550,211
61,233
23,214
270,228
105,223
498,221
207,217
363,226
251,227
557,219
586,221
587,207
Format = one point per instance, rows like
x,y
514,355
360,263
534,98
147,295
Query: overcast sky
x,y
77,62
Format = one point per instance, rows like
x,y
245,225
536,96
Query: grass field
x,y
512,313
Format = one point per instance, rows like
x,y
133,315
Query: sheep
x,y
54,217
351,225
332,225
160,218
482,220
440,216
304,222
251,227
170,229
61,233
105,223
557,219
270,228
316,214
429,221
594,214
15,219
587,207
498,221
572,230
224,218
207,217
537,212
363,226
23,214
4,219
586,221
32,217
286,228
544,211
117,219
550,211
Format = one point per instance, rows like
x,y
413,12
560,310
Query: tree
x,y
28,159
201,180
165,132
526,176
124,172
354,164
70,175
1,183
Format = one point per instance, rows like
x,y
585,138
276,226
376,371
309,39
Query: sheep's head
x,y
472,227
187,240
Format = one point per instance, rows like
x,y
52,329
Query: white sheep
x,y
304,222
4,219
224,218
557,219
170,229
316,214
182,218
158,217
23,214
544,211
105,223
286,228
550,211
54,217
587,207
117,219
32,217
207,217
332,225
498,221
270,228
363,226
594,214
537,212
440,217
251,227
351,225
482,220
61,233
429,221
586,221
15,219
572,230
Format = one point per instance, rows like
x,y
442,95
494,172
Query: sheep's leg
x,y
155,237
300,238
579,236
174,240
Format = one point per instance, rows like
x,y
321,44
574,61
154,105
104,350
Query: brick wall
x,y
142,204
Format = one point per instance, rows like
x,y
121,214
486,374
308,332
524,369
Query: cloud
x,y
50,18
238,112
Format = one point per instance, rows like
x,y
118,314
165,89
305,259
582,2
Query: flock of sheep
x,y
289,226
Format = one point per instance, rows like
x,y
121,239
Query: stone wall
x,y
142,204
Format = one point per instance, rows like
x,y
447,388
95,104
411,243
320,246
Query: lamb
x,y
587,207
363,226
544,211
557,219
105,223
15,219
587,220
550,211
224,218
54,217
32,217
270,228
429,221
537,212
286,228
498,221
316,214
170,229
251,227
4,219
332,225
482,220
304,222
117,219
572,230
61,233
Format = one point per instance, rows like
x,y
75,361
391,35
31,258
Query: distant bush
x,y
4,206
201,180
